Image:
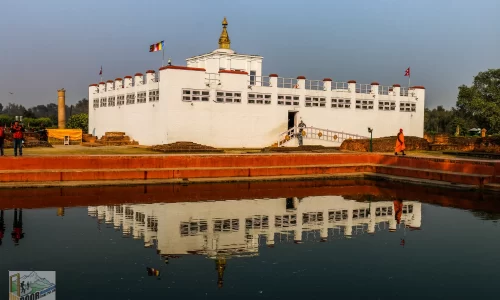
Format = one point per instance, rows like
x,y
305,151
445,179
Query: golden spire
x,y
224,42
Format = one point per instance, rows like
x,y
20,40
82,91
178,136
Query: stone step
x,y
254,172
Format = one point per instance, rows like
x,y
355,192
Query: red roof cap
x,y
375,83
327,79
128,77
182,68
138,74
351,81
150,71
233,72
102,82
301,77
273,75
93,84
417,87
396,85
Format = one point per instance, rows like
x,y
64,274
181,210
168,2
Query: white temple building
x,y
222,99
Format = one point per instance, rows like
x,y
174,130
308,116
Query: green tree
x,y
79,121
480,102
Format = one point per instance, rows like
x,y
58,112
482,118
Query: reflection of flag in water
x,y
153,272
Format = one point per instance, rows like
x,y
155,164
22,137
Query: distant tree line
x,y
478,106
36,115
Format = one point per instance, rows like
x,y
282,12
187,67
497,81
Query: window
x,y
154,96
360,213
103,102
254,98
227,225
315,101
364,104
252,77
312,218
120,100
228,97
341,103
257,222
96,102
111,101
288,100
337,215
193,228
285,221
141,97
407,106
195,95
130,98
387,105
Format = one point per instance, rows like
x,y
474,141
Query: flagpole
x,y
163,56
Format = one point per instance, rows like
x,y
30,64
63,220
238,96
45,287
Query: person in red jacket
x,y
17,134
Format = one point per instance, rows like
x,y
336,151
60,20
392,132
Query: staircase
x,y
317,134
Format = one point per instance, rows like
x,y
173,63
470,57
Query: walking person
x,y
302,125
17,135
400,143
2,140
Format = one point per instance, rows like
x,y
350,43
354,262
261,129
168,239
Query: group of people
x,y
17,232
17,131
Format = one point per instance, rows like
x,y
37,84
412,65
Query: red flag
x,y
407,72
100,72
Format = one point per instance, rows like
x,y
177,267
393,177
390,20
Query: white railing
x,y
288,83
318,134
384,90
259,80
403,92
316,85
340,86
363,88
212,79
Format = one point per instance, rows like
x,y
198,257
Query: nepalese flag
x,y
100,72
153,272
156,47
407,72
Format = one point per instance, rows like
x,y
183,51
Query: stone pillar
x,y
483,132
61,109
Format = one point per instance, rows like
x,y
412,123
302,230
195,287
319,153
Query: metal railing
x,y
318,134
403,92
363,88
259,80
288,83
212,79
340,86
384,90
316,85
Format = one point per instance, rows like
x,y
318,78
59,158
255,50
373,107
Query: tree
x,y
481,101
81,106
79,121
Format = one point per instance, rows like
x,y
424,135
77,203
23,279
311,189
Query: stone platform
x,y
114,169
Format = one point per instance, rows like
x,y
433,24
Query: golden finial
x,y
224,42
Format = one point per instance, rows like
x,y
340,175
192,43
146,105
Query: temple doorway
x,y
292,119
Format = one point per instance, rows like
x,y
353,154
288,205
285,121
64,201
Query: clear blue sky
x,y
51,44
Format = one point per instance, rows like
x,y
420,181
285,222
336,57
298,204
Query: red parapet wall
x,y
99,168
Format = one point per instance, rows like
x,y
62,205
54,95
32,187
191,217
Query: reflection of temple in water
x,y
224,229
233,228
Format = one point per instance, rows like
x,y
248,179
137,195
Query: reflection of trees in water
x,y
486,216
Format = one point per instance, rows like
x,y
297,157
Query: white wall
x,y
243,124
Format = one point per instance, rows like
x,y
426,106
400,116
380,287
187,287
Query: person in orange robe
x,y
400,143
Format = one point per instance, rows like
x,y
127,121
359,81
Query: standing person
x,y
302,125
2,140
17,233
400,143
17,135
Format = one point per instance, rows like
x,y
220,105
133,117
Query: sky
x,y
53,44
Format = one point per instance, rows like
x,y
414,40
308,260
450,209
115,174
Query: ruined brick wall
x,y
385,144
